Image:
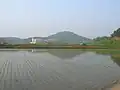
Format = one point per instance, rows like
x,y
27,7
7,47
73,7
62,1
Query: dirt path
x,y
116,87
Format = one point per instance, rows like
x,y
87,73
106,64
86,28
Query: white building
x,y
33,41
38,40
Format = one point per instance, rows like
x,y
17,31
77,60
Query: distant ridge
x,y
60,38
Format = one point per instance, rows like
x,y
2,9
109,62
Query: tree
x,y
101,38
116,33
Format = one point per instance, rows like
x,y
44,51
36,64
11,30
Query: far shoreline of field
x,y
35,46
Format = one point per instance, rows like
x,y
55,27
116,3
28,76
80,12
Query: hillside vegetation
x,y
109,42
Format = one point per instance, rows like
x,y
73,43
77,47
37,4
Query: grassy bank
x,y
30,46
108,43
102,44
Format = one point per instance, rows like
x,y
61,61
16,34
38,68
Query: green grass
x,y
107,43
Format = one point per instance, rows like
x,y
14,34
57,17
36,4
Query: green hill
x,y
68,37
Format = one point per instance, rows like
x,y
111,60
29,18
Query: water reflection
x,y
65,54
9,50
62,54
68,54
42,70
116,59
114,54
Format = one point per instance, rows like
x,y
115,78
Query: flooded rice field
x,y
57,70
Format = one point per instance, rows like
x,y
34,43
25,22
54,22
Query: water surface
x,y
57,70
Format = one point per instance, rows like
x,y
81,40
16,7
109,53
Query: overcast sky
x,y
89,18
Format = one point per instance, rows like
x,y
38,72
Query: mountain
x,y
69,37
65,37
12,40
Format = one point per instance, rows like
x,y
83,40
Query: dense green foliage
x,y
116,33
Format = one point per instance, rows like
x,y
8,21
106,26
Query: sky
x,y
89,18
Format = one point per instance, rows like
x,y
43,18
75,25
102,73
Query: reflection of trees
x,y
116,59
115,55
11,50
63,54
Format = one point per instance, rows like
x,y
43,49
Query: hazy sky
x,y
90,18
